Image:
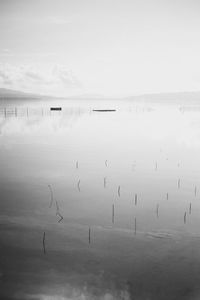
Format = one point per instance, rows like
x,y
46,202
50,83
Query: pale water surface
x,y
127,185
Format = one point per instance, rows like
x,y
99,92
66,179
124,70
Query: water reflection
x,y
110,198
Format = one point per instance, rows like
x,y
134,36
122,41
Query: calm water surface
x,y
99,205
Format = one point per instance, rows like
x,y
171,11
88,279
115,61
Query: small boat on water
x,y
56,108
104,110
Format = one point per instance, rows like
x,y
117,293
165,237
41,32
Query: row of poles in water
x,y
113,206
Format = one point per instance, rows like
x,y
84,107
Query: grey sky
x,y
106,46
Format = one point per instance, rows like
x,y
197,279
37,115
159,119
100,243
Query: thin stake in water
x,y
78,185
179,183
190,208
61,217
167,196
43,242
77,165
57,208
184,217
89,234
118,191
104,182
106,163
195,191
135,199
135,225
51,192
113,213
58,212
156,166
157,210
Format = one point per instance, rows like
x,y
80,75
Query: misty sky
x,y
108,47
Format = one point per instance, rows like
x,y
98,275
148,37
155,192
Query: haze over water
x,y
116,193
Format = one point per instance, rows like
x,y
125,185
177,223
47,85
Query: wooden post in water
x,y
104,182
184,217
179,183
118,191
5,112
57,208
135,225
156,166
51,192
190,208
106,163
167,196
195,191
157,210
44,249
113,213
78,185
77,164
135,199
89,234
61,217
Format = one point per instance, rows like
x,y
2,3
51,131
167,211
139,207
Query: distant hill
x,y
176,98
8,94
179,97
13,94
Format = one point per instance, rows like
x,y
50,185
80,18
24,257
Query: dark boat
x,y
56,108
104,110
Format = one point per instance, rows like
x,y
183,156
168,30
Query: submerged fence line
x,y
14,111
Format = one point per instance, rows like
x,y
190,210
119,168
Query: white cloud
x,y
52,79
4,77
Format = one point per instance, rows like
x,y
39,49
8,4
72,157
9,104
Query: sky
x,y
103,47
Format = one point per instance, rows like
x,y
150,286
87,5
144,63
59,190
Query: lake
x,y
99,205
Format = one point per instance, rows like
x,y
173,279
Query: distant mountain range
x,y
179,97
11,94
176,97
14,94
